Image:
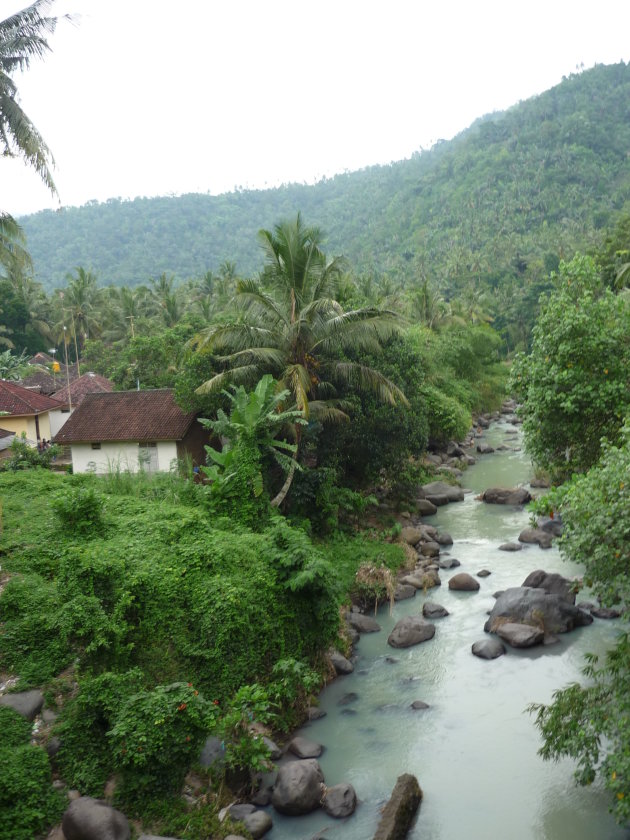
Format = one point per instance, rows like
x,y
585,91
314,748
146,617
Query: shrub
x,y
79,509
28,803
157,735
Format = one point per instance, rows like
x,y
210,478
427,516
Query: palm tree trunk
x,y
277,500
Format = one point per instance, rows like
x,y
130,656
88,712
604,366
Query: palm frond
x,y
366,379
328,411
241,375
299,382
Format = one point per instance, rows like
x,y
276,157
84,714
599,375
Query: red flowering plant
x,y
158,734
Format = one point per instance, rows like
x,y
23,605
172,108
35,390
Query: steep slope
x,y
498,204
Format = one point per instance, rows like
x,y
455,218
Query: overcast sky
x,y
154,97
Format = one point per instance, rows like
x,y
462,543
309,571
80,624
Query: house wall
x,y
57,419
24,424
116,455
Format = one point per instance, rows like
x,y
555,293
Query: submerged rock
x,y
432,610
488,648
362,623
510,546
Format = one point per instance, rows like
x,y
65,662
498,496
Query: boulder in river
x,y
340,800
432,610
362,623
524,605
441,488
429,549
400,810
510,546
303,748
404,591
535,535
506,496
553,584
488,648
484,449
339,662
520,635
410,630
298,788
463,582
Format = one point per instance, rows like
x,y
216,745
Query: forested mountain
x,y
501,202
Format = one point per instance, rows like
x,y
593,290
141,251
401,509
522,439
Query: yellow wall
x,y
26,425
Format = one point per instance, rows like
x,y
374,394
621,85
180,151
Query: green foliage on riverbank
x,y
160,596
574,384
28,803
592,723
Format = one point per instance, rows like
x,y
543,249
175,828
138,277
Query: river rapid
x,y
475,750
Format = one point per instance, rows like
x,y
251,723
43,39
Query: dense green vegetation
x,y
576,405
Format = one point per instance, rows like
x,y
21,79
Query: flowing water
x,y
474,751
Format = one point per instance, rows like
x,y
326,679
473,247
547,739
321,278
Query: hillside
x,y
499,203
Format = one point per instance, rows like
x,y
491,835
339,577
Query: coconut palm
x,y
291,325
23,38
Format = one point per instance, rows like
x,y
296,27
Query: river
x,y
475,750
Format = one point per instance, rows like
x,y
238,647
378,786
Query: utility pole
x,y
65,347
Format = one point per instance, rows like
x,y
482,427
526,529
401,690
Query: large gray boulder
x,y
510,546
299,787
484,449
400,810
505,496
524,605
463,582
520,635
429,549
93,819
362,623
25,703
340,800
552,583
410,630
441,488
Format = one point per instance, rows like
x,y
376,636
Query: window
x,y
96,446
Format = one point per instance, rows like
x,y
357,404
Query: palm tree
x,y
22,38
291,325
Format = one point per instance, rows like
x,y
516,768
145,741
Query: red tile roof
x,y
126,416
46,382
19,401
89,383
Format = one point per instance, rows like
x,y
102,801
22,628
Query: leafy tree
x,y
574,384
592,723
250,432
291,325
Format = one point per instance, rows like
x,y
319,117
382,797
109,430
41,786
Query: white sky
x,y
153,97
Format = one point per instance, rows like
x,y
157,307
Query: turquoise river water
x,y
475,750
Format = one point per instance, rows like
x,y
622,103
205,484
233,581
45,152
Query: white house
x,y
131,430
